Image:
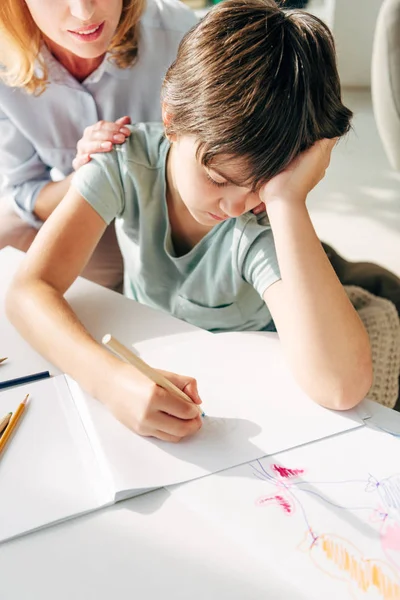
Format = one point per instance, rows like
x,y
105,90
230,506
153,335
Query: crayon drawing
x,y
376,502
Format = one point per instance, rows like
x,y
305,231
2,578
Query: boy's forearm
x,y
57,334
320,330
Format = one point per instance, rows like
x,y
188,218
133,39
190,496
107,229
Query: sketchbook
x,y
71,456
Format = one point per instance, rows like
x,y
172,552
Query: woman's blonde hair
x,y
21,40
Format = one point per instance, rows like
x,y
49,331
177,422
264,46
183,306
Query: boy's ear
x,y
167,119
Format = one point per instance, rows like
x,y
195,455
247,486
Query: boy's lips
x,y
217,217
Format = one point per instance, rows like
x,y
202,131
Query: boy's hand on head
x,y
259,209
100,137
151,411
301,176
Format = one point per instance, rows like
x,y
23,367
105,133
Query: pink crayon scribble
x,y
392,537
390,540
278,499
284,472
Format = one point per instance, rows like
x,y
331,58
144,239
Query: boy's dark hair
x,y
255,81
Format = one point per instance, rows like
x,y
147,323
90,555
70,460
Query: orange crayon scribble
x,y
366,574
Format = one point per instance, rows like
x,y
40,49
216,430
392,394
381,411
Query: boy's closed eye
x,y
219,178
221,183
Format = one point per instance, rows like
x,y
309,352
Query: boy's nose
x,y
236,206
233,210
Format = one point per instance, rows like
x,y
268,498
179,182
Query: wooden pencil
x,y
14,421
3,359
4,422
130,357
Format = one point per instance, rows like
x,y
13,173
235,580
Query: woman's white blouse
x,y
38,133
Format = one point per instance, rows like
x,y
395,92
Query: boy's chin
x,y
203,218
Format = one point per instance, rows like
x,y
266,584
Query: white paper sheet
x,y
48,471
326,513
253,408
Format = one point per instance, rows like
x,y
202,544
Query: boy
x,y
251,110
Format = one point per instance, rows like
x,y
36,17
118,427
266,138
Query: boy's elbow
x,y
14,298
352,387
354,392
344,386
11,302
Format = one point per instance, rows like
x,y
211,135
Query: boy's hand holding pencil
x,y
153,402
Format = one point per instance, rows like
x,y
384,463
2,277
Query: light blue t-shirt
x,y
38,133
219,284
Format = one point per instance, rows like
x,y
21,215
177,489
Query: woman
x,y
72,73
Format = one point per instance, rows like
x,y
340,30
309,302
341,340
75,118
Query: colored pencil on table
x,y
130,357
3,359
14,421
20,380
4,422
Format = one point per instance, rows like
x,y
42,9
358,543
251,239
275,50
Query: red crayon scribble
x,y
285,504
284,472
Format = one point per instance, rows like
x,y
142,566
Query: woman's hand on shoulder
x,y
300,177
100,137
151,411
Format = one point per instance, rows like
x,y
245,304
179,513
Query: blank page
x,y
48,471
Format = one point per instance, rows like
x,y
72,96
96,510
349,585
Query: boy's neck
x,y
186,232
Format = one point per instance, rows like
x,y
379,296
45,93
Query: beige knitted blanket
x,y
382,323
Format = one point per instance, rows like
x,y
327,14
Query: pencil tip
x,y
25,400
3,359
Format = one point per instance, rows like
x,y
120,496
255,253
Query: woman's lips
x,y
90,33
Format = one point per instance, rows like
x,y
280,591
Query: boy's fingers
x,y
328,143
190,388
186,384
176,407
166,437
259,209
327,148
176,427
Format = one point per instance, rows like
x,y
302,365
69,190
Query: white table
x,y
149,547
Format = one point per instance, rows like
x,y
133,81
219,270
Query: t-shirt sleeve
x,y
100,183
258,262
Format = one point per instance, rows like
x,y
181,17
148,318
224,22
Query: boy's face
x,y
211,194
